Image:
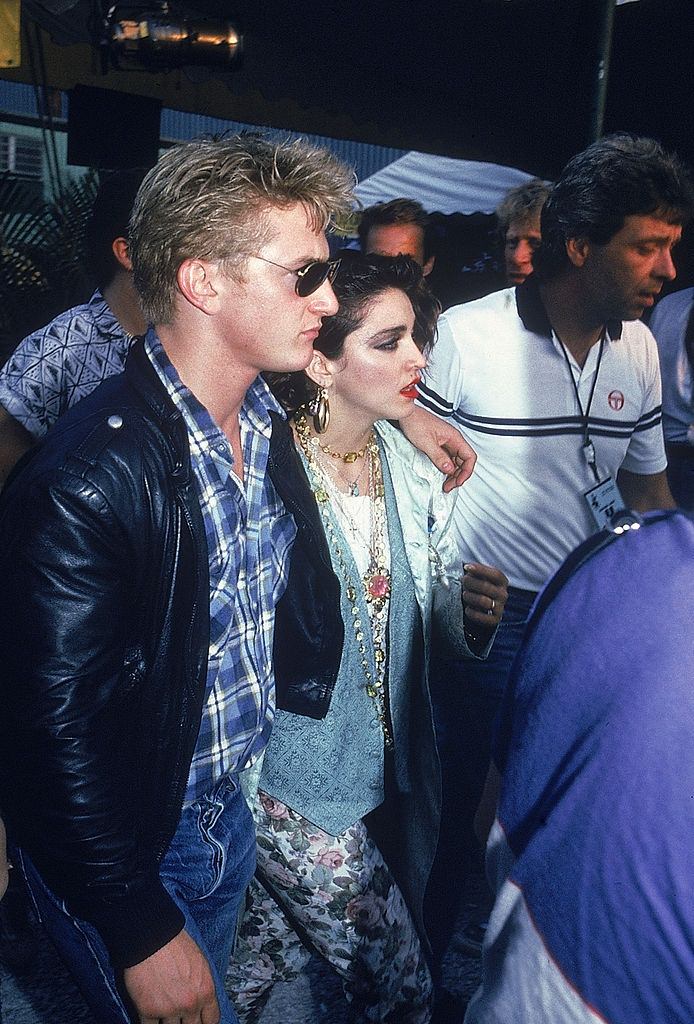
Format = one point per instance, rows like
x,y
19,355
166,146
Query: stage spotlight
x,y
154,37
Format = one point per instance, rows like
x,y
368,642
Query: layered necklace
x,y
347,457
376,580
352,483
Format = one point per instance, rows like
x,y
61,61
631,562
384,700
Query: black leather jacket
x,y
103,641
104,633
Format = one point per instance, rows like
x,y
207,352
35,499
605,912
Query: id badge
x,y
604,500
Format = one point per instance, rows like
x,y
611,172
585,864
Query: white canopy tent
x,y
441,184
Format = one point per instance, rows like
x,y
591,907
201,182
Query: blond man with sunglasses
x,y
144,548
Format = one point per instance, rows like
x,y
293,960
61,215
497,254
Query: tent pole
x,y
604,15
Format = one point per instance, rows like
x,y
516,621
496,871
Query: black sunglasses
x,y
310,277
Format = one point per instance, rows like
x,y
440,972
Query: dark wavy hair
x,y
617,177
362,277
109,220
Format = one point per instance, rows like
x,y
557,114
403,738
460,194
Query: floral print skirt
x,y
335,896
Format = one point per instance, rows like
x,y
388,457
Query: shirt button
x,y
115,422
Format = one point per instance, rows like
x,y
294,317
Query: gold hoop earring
x,y
319,407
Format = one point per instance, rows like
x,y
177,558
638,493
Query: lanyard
x,y
587,447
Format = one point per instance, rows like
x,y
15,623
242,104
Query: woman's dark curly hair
x,y
360,279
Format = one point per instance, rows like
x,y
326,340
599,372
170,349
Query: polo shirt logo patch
x,y
616,400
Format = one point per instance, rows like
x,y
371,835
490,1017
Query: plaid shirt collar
x,y
206,438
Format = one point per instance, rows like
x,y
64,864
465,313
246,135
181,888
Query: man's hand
x,y
173,985
443,444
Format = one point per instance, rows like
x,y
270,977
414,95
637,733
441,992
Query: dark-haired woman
x,y
349,801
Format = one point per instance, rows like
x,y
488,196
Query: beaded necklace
x,y
345,456
376,579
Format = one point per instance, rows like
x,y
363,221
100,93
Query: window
x,y
21,158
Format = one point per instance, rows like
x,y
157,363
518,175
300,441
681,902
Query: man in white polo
x,y
556,384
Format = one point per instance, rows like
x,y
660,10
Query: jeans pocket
x,y
210,810
42,899
31,880
79,944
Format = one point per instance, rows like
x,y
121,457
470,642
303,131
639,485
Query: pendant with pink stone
x,y
378,586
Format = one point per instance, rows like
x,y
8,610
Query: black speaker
x,y
112,130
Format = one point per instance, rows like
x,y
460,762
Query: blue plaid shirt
x,y
249,538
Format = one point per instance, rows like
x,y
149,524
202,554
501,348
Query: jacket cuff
x,y
134,925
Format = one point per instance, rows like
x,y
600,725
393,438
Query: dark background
x,y
512,81
509,81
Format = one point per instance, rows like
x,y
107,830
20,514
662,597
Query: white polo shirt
x,y
499,372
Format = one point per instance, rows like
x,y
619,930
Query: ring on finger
x,y
490,611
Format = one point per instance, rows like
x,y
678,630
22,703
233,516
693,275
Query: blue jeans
x,y
206,871
466,697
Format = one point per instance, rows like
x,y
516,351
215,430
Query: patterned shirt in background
x,y
249,538
56,366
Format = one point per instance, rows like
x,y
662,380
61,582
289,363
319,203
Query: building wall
x,y
19,120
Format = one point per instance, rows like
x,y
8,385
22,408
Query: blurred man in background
x,y
401,227
56,366
519,227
